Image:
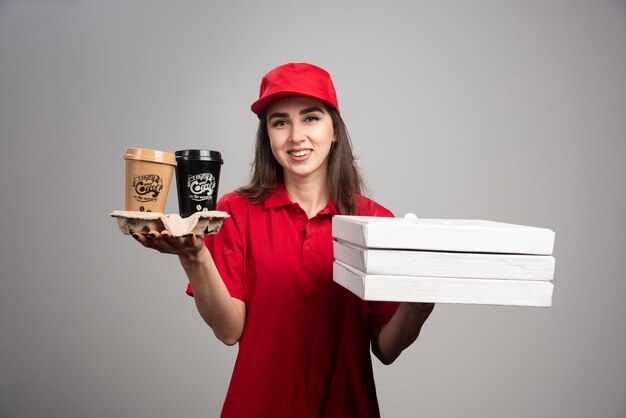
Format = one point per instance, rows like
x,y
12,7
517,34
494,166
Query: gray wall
x,y
511,111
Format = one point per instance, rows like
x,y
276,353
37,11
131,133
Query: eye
x,y
278,123
311,118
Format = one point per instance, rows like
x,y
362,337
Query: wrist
x,y
196,258
417,311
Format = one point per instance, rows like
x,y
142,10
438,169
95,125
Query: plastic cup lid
x,y
145,154
199,154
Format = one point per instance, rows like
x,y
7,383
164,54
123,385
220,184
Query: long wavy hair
x,y
344,178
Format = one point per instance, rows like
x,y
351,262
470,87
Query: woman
x,y
265,281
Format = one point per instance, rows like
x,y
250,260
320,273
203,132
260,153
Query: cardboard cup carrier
x,y
197,179
148,177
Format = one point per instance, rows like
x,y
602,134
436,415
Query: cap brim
x,y
260,105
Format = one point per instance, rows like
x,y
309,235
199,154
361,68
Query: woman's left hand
x,y
401,330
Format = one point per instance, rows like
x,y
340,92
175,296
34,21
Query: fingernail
x,y
136,236
151,235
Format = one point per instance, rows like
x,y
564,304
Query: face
x,y
301,133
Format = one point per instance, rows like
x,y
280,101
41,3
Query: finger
x,y
170,239
183,243
161,242
142,239
197,240
193,241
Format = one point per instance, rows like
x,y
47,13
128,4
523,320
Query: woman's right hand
x,y
186,247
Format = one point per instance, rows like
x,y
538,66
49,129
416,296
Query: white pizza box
x,y
444,264
464,235
380,287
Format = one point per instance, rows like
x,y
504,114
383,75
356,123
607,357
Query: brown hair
x,y
344,179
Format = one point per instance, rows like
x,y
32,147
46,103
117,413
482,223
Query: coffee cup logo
x,y
201,186
147,187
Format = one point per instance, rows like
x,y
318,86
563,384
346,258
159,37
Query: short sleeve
x,y
226,248
379,312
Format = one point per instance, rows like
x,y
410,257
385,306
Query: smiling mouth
x,y
299,153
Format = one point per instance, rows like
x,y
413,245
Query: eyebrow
x,y
311,110
302,112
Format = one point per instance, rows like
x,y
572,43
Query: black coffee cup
x,y
197,179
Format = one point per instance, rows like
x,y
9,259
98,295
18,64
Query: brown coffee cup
x,y
148,177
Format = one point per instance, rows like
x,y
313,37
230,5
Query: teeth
x,y
300,153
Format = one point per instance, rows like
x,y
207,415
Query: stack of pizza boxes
x,y
443,260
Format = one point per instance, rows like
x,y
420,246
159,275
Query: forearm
x,y
224,314
401,331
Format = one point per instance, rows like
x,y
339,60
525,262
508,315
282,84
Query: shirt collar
x,y
279,198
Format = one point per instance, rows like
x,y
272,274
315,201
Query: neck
x,y
311,194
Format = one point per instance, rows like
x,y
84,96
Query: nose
x,y
297,133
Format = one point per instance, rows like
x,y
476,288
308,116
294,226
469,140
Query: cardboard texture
x,y
199,223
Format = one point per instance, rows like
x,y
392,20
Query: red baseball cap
x,y
296,79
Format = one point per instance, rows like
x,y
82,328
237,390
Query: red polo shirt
x,y
305,348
